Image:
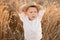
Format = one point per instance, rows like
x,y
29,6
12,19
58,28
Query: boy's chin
x,y
32,19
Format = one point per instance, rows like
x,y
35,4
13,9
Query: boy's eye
x,y
31,12
35,11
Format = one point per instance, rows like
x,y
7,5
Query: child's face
x,y
32,13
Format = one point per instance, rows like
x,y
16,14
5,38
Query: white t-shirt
x,y
32,29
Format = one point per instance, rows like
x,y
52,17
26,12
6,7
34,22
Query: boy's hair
x,y
32,6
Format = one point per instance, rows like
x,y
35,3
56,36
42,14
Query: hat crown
x,y
32,3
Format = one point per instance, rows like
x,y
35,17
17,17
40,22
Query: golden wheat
x,y
11,26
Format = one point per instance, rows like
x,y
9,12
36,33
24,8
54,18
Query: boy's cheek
x,y
36,15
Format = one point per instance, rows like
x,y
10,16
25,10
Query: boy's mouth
x,y
33,16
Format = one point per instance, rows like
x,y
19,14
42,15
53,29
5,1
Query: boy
x,y
31,18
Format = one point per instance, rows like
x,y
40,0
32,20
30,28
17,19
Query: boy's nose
x,y
33,13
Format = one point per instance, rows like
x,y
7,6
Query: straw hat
x,y
26,6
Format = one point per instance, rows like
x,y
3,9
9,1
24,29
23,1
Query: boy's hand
x,y
20,10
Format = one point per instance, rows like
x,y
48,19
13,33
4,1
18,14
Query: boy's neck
x,y
30,19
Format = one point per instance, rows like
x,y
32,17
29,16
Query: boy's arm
x,y
22,16
41,13
21,13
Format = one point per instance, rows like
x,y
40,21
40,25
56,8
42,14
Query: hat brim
x,y
31,4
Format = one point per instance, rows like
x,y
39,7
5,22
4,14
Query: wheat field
x,y
11,26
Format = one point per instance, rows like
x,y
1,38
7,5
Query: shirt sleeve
x,y
41,13
22,16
